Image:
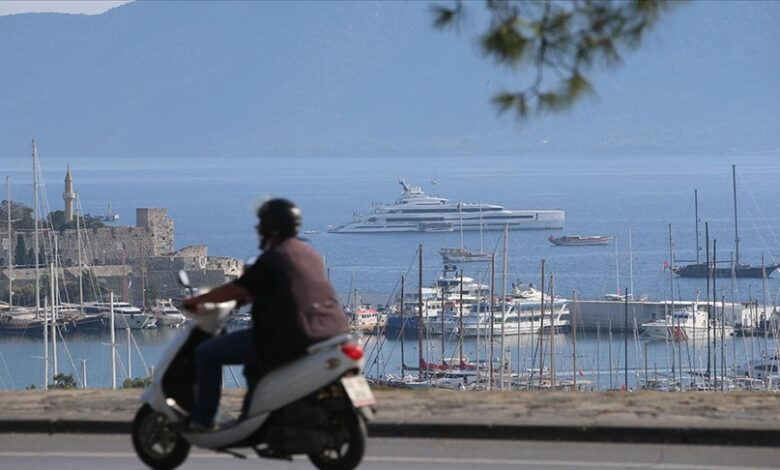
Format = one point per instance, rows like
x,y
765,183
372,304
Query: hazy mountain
x,y
362,79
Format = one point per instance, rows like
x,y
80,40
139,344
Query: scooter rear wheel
x,y
156,443
350,437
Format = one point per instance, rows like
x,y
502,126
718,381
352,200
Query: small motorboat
x,y
568,240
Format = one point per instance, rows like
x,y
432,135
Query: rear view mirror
x,y
184,279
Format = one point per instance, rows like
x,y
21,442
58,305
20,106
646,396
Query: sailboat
x,y
461,254
738,269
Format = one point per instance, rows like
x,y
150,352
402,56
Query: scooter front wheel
x,y
156,443
350,435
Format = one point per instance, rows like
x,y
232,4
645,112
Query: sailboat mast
x,y
37,270
714,312
625,342
631,261
492,307
441,319
503,301
420,313
10,242
541,332
460,320
401,335
736,226
81,262
617,268
696,215
552,331
113,341
53,303
709,310
573,325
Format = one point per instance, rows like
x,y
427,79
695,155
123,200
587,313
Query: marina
x,y
588,315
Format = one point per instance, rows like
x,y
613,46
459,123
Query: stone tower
x,y
68,196
157,222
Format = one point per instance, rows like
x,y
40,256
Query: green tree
x,y
21,215
554,44
20,252
63,382
56,219
137,382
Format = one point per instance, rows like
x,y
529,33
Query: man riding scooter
x,y
293,307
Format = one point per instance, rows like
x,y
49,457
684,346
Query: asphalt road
x,y
80,452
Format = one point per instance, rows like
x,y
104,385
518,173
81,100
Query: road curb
x,y
614,434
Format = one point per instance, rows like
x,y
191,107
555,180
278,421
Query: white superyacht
x,y
414,211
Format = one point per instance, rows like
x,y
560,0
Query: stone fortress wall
x,y
138,263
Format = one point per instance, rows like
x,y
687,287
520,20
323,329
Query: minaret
x,y
68,196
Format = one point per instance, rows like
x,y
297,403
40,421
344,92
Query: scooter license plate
x,y
358,391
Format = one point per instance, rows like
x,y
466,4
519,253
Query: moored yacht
x,y
167,314
687,323
414,211
125,315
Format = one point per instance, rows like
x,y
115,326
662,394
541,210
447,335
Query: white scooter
x,y
317,405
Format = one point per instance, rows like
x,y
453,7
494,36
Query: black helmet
x,y
279,218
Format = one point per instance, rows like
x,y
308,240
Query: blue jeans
x,y
233,348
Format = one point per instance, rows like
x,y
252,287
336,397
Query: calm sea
x,y
635,199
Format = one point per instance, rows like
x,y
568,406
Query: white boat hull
x,y
134,322
554,222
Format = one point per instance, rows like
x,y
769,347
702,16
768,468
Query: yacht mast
x,y
709,310
401,335
113,341
420,313
552,331
503,301
573,325
81,262
671,285
10,242
491,316
696,214
52,303
617,268
460,322
37,270
541,332
714,313
631,261
736,228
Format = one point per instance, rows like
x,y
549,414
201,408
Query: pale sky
x,y
87,7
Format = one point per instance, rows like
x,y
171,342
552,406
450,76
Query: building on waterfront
x,y
138,263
